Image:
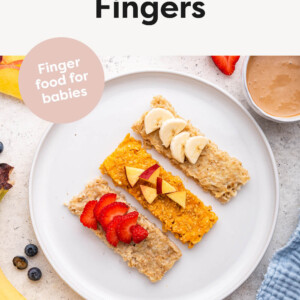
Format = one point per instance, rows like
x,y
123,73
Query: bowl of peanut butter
x,y
272,86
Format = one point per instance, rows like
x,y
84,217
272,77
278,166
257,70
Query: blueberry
x,y
20,262
1,147
31,250
34,274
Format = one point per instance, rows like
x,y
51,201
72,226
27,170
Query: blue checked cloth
x,y
282,280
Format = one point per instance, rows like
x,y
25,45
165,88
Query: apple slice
x,y
149,193
151,174
164,187
133,175
178,197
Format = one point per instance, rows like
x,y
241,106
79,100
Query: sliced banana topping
x,y
169,129
155,117
194,146
178,146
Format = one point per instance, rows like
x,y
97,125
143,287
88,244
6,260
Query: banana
x,y
169,129
194,146
178,145
7,290
155,118
9,75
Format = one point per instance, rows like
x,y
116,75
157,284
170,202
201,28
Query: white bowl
x,y
256,108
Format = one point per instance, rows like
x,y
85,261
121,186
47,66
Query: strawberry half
x,y
226,64
104,201
111,231
110,211
139,233
123,228
87,217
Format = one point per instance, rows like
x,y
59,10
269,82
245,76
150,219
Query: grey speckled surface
x,y
20,131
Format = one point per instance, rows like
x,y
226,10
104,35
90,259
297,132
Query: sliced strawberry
x,y
226,64
123,228
104,201
111,231
139,233
110,211
87,217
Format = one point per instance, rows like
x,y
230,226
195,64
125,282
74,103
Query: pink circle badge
x,y
61,80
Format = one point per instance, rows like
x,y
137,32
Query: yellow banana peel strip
x,y
7,290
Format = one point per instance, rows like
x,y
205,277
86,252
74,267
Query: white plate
x,y
70,154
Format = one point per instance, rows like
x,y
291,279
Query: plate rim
x,y
238,283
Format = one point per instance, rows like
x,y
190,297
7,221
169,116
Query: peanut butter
x,y
274,84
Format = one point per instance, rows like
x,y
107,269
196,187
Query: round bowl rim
x,y
255,107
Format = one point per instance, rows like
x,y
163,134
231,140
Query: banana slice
x,y
155,118
178,145
169,129
194,146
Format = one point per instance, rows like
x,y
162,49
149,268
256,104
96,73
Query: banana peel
x,y
11,59
7,290
5,185
9,75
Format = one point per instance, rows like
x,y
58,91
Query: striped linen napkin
x,y
282,280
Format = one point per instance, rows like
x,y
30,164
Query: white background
x,y
229,27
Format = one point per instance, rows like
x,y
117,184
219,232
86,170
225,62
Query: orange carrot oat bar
x,y
153,257
215,171
188,224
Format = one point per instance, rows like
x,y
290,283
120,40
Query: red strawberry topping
x,y
111,231
112,216
104,201
139,233
110,211
123,228
226,64
87,217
